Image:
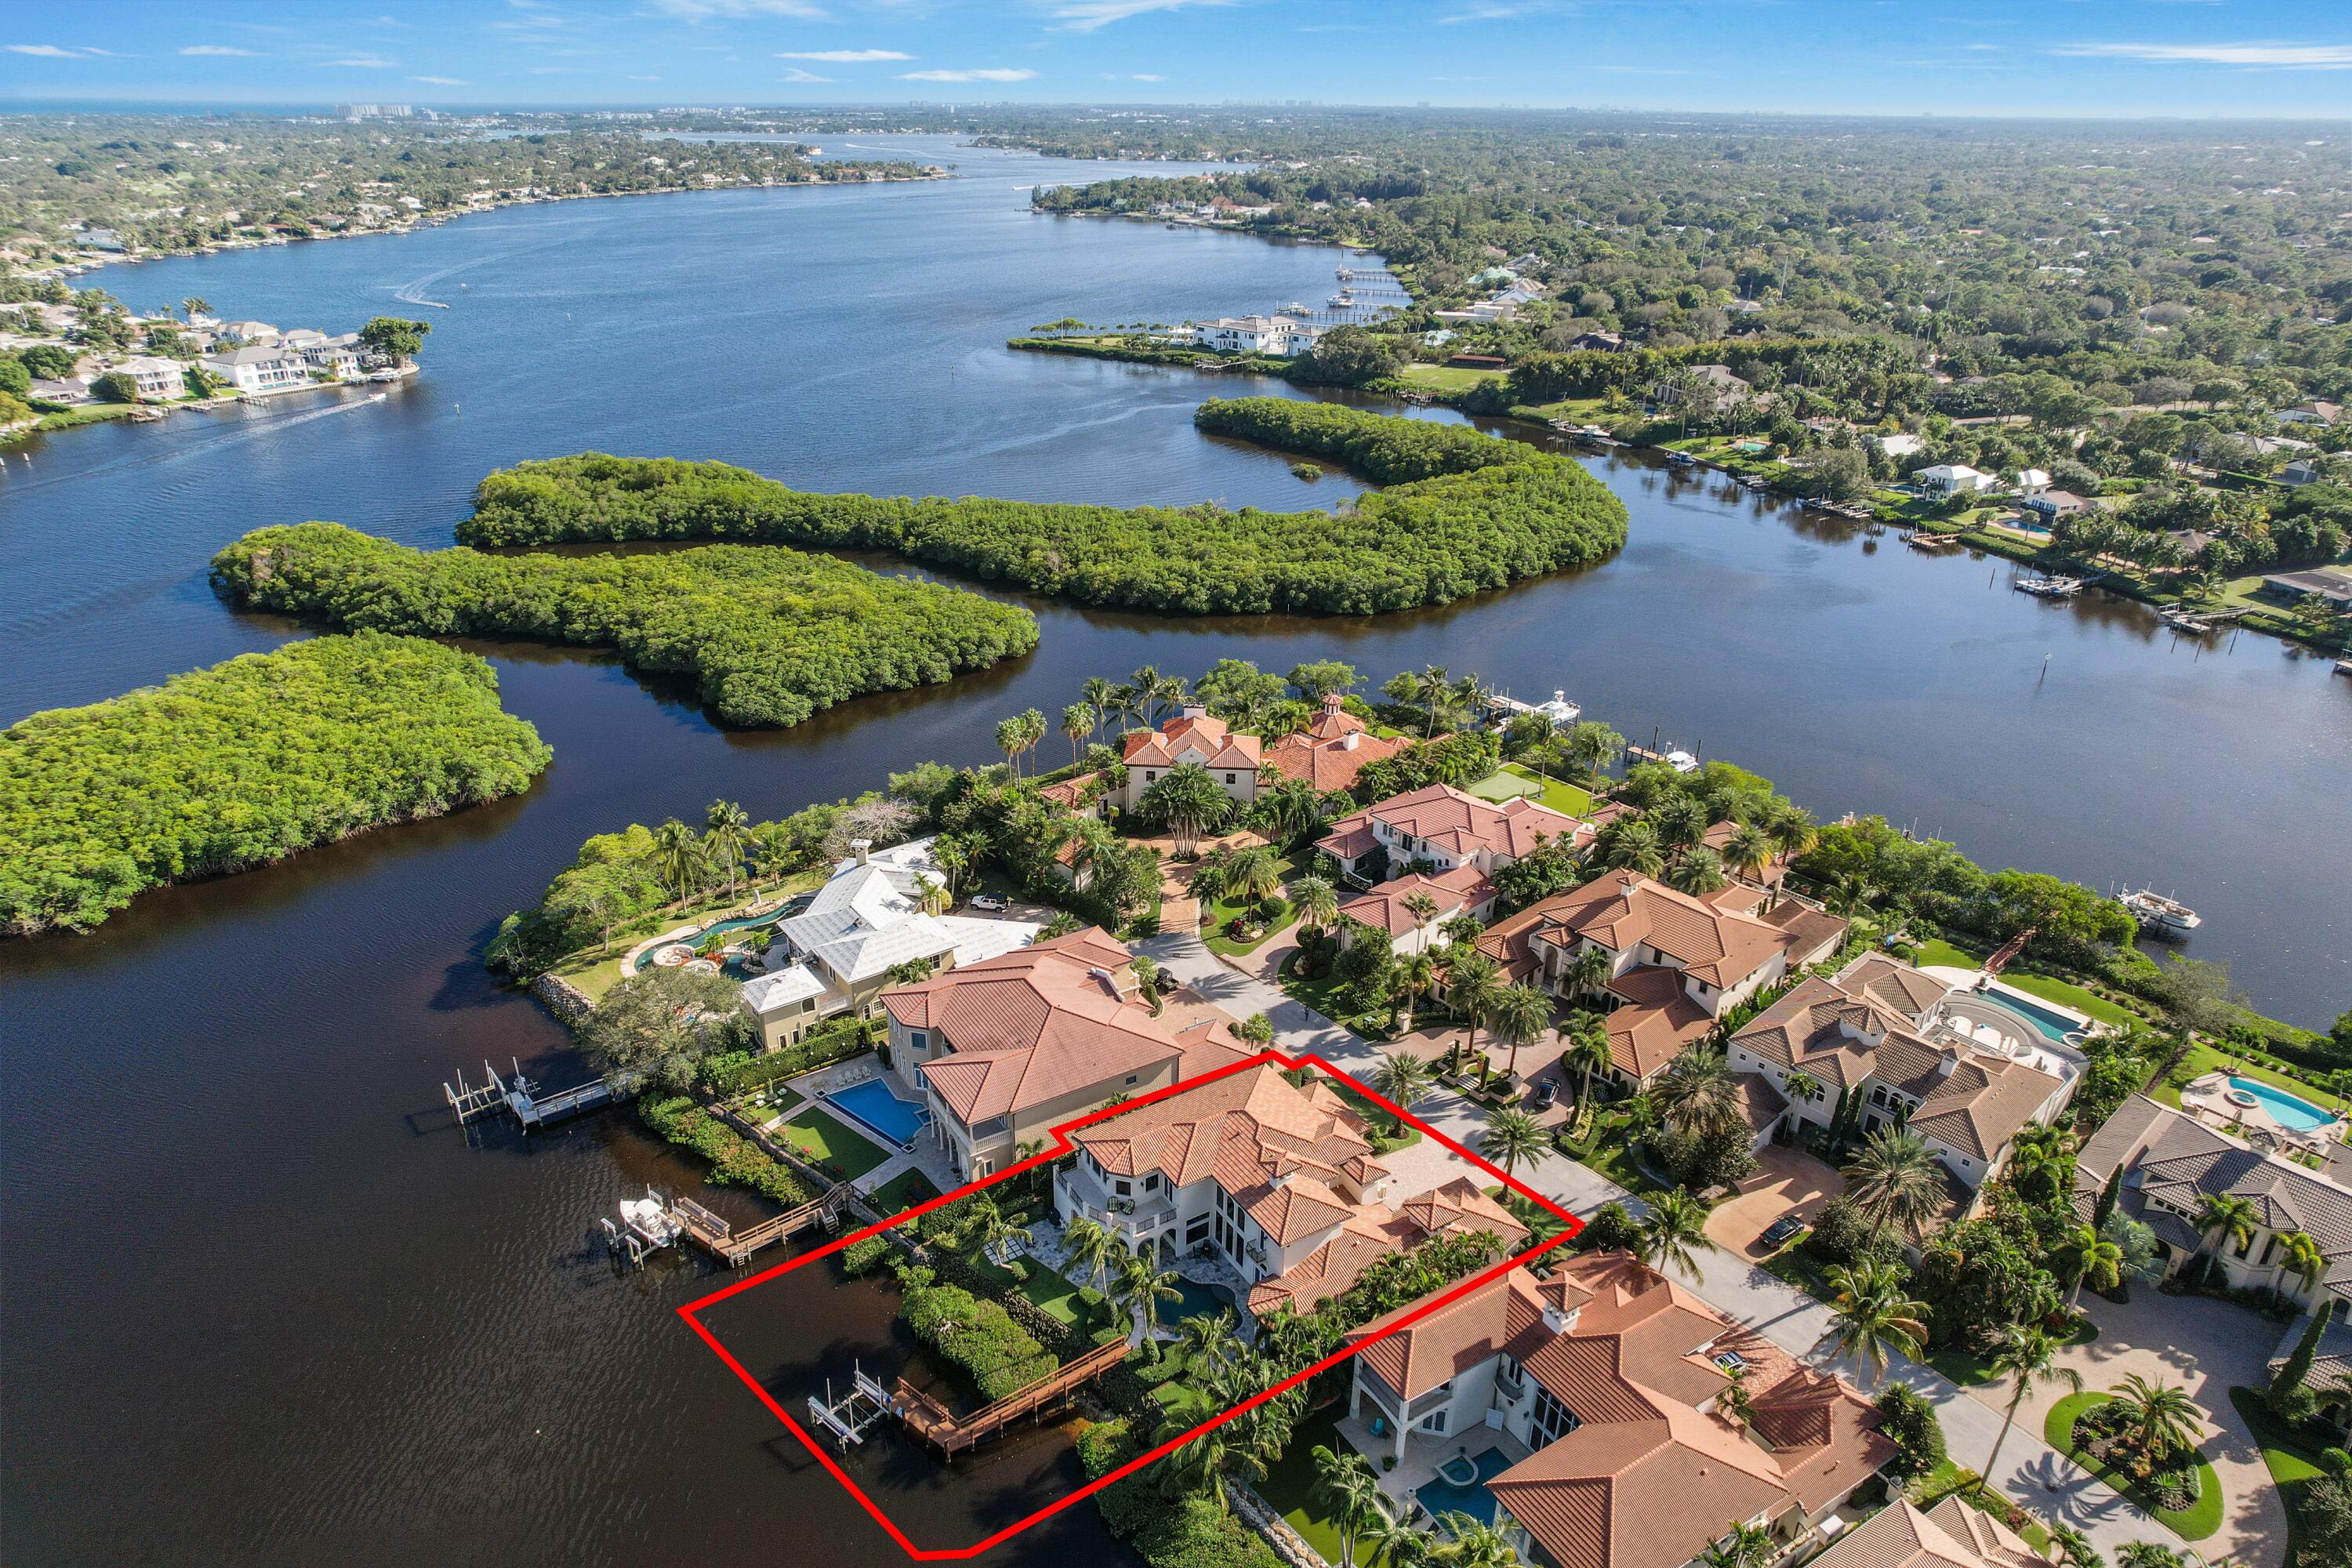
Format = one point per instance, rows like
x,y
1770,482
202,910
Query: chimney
x,y
863,848
1946,1063
1348,742
1195,711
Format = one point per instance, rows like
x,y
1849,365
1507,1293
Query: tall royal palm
x,y
1471,986
677,859
1519,1016
726,829
1586,1036
2025,1354
1078,723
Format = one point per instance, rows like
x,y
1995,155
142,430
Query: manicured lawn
x,y
1054,1295
1939,952
1223,908
2202,1059
2195,1522
1447,377
1380,1119
1607,1149
1289,1484
1942,953
1516,780
903,1192
825,1138
1948,1479
2292,1460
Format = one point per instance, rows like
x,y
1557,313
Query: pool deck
x,y
1424,1452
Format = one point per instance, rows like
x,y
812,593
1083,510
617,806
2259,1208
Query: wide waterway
x,y
264,1308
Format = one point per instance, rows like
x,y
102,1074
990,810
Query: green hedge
x,y
979,1336
242,765
741,1072
772,637
1469,513
735,1161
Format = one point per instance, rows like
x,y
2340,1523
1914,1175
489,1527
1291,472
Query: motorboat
x,y
2050,587
2153,909
1682,761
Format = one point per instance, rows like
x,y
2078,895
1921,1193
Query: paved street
x,y
2036,1476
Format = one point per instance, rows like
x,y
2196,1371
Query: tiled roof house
x,y
1331,751
1190,737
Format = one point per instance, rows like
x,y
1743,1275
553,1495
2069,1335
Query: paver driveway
x,y
1787,1180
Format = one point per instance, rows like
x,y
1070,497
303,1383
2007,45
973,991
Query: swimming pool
x,y
1197,1301
2290,1111
872,1104
2054,1025
1439,1496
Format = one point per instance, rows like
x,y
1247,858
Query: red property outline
x,y
691,1311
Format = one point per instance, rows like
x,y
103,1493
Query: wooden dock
x,y
929,1419
734,1246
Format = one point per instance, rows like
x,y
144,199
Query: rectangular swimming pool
x,y
871,1104
2054,1026
1439,1496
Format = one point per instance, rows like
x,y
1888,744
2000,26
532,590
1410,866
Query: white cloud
x,y
1149,76
844,57
993,75
216,50
46,51
2282,56
1085,16
700,10
798,75
442,80
365,62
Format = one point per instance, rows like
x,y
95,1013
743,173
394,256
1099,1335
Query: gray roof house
x,y
2170,1160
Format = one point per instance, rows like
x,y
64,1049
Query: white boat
x,y
650,1219
2153,909
1682,761
1294,308
1343,299
2050,587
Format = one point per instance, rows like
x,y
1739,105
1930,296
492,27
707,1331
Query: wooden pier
x,y
929,1419
522,1100
734,1246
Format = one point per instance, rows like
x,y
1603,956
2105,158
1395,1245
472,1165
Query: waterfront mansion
x,y
1590,1406
1003,1050
1439,829
1255,1180
1675,963
1194,737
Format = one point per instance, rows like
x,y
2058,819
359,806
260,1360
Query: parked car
x,y
1781,1232
990,901
1547,1093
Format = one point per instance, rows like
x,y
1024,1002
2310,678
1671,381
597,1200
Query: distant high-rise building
x,y
373,112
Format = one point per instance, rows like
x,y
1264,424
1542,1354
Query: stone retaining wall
x,y
561,997
1259,1515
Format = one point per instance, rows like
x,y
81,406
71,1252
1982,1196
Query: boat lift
x,y
848,1417
646,1225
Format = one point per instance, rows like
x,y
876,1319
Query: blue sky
x,y
2196,58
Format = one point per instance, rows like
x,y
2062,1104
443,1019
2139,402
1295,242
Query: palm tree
x,y
1348,1487
1803,1086
991,1228
1404,1079
1010,735
2222,1218
1791,830
1587,1035
2300,1256
1208,1342
1253,876
2041,1164
1586,971
1591,744
1078,723
2160,1417
1698,1093
1749,852
2074,1547
1471,987
1141,1288
1189,803
1146,684
1873,1313
1396,1544
1517,1017
677,859
1697,871
1748,1546
1673,1233
2084,1255
2025,1353
1097,693
1422,908
1434,689
1032,730
1090,1248
196,305
1203,1464
1316,902
1630,844
1472,1544
770,848
1895,1179
1511,1136
724,830
1415,977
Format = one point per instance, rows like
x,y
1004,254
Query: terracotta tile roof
x,y
1324,1273
1196,735
1648,1493
1892,984
1069,791
1623,910
1982,1104
1759,1103
1034,1025
1659,1022
1507,1313
1331,751
1950,1535
1460,825
1463,888
1461,1206
1350,840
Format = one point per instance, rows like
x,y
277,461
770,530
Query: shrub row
x,y
735,1161
979,1336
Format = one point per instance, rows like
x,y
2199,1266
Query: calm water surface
x,y
264,1307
